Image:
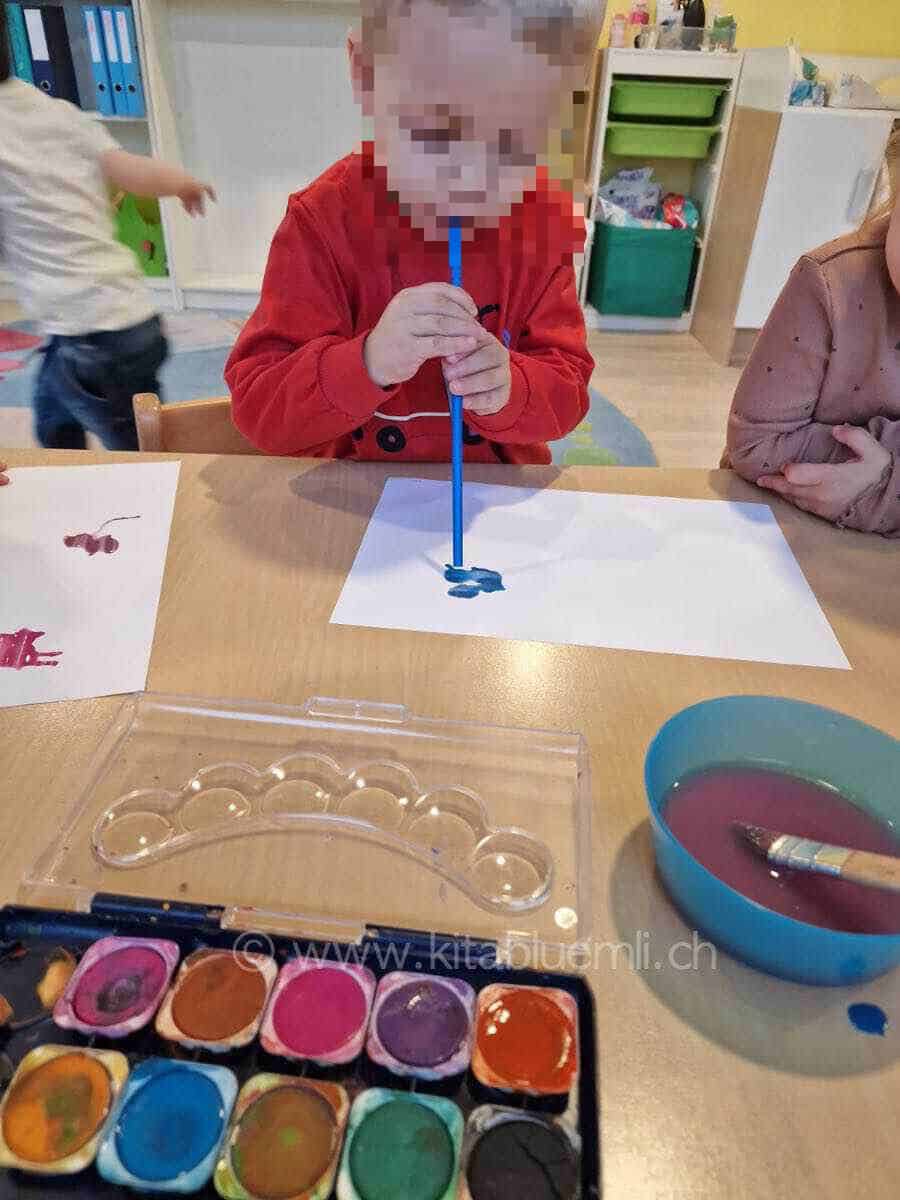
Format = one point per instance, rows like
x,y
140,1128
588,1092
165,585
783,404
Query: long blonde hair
x,y
892,163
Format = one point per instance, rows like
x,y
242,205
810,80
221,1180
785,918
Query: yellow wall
x,y
829,26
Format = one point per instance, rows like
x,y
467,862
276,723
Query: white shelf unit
x,y
102,117
133,134
254,97
697,178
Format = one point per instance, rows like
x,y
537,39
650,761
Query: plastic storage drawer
x,y
641,272
628,139
652,98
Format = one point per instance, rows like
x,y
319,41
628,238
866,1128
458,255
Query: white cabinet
x,y
823,173
793,179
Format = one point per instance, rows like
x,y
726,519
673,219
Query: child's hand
x,y
192,195
481,376
827,489
4,479
434,320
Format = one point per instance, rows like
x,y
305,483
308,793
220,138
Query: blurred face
x,y
461,107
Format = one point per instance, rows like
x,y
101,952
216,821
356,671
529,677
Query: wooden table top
x,y
713,1083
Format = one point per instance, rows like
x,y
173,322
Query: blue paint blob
x,y
868,1018
456,574
170,1124
489,581
472,581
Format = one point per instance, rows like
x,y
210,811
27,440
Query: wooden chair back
x,y
193,427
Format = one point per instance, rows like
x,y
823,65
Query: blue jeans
x,y
87,384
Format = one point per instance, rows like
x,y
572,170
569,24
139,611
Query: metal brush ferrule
x,y
804,854
831,860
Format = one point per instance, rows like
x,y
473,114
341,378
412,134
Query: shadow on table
x,y
287,517
788,1027
337,485
851,573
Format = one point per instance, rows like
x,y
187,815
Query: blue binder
x,y
56,31
103,95
131,62
42,68
18,43
114,62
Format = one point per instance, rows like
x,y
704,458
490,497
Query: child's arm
x,y
150,177
861,493
877,509
771,421
846,474
544,380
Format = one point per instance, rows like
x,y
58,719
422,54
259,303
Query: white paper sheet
x,y
699,577
97,612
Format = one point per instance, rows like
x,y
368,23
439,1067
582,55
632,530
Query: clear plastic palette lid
x,y
331,819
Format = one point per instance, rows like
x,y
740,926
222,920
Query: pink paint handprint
x,y
18,650
94,543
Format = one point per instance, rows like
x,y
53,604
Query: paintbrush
x,y
454,248
467,582
804,854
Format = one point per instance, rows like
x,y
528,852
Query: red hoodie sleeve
x,y
296,374
550,369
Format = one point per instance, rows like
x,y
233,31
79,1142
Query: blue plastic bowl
x,y
803,739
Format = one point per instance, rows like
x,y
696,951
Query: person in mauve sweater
x,y
358,334
816,415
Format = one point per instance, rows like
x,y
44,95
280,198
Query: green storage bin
x,y
139,226
641,272
661,98
628,139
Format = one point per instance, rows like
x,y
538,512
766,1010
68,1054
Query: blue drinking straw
x,y
456,407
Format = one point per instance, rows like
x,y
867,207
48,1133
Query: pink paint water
x,y
701,808
319,1011
120,985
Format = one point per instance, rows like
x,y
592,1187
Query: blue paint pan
x,y
171,1121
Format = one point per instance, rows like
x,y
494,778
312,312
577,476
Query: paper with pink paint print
x,y
82,555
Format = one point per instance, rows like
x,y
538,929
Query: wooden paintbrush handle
x,y
874,870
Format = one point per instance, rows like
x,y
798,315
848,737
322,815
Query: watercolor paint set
x,y
205,990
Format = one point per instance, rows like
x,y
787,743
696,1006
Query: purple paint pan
x,y
117,986
319,1011
422,1025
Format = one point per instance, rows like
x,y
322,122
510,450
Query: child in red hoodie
x,y
358,336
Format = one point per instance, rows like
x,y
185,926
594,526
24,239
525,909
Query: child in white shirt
x,y
105,340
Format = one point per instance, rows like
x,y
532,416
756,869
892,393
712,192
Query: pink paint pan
x,y
117,986
319,1011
